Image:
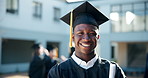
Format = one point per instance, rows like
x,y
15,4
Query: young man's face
x,y
39,50
85,38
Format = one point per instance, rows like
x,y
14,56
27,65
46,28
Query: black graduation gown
x,y
70,69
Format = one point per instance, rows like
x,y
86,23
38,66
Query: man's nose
x,y
86,37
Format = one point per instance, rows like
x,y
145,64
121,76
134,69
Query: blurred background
x,y
123,39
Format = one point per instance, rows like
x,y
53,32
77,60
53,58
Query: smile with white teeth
x,y
85,45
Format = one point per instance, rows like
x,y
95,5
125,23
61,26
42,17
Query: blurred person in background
x,y
53,56
41,62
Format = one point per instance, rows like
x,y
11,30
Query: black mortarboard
x,y
84,14
36,46
50,47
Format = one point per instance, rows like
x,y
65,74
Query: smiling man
x,y
85,63
85,38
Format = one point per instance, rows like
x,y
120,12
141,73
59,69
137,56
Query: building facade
x,y
23,22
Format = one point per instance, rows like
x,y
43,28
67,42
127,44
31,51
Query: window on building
x,y
57,14
112,52
12,6
129,17
126,18
37,10
115,17
136,54
139,20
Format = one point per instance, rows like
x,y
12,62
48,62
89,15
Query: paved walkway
x,y
15,75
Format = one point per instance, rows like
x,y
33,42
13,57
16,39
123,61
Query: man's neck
x,y
85,57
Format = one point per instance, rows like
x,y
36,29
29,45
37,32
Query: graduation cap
x,y
36,46
84,14
50,47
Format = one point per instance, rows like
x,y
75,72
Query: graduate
x,y
84,21
41,62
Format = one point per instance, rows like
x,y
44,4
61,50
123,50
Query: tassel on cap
x,y
71,23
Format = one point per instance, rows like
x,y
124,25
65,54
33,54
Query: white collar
x,y
82,63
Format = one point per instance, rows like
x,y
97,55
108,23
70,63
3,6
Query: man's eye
x,y
92,34
79,33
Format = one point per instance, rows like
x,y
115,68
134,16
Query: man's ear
x,y
98,37
72,37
